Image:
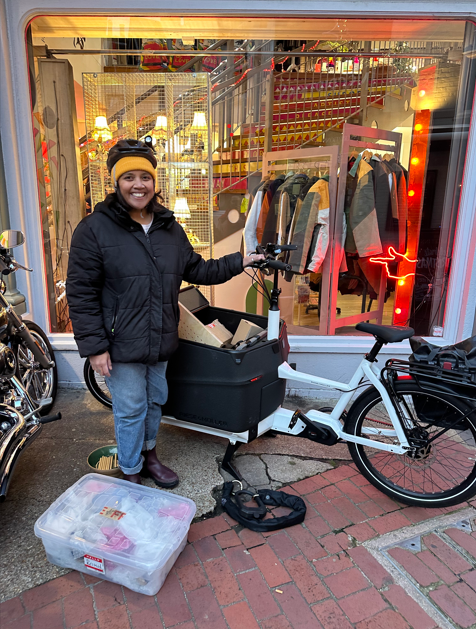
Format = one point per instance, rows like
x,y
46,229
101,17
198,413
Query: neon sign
x,y
394,255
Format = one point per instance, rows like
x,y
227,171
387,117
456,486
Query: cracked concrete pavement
x,y
58,458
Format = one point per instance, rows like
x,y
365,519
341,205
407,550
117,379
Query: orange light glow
x,y
421,93
407,268
401,283
394,255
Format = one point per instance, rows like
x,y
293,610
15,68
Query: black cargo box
x,y
232,390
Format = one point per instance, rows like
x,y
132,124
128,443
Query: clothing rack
x,y
302,160
394,146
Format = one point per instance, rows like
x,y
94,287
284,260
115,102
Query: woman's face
x,y
137,188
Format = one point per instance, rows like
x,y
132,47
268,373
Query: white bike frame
x,y
282,419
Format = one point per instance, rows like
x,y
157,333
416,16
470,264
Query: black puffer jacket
x,y
123,285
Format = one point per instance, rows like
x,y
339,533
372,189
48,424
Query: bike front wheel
x,y
441,472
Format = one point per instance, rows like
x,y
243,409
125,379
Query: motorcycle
x,y
28,374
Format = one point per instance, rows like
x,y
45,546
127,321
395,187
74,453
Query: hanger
x,y
388,156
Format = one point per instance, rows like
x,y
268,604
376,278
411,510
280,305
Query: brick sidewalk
x,y
311,576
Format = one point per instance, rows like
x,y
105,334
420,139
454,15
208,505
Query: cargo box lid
x,y
192,299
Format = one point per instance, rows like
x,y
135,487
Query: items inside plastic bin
x,y
125,535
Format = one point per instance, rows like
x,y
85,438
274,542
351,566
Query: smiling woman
x,y
137,190
126,265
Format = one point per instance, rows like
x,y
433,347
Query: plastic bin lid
x,y
116,520
192,299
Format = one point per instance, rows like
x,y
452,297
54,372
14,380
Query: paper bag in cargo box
x,y
192,329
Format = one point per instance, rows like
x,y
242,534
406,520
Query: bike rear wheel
x,y
97,385
440,474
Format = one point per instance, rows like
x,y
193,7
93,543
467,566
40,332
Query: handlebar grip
x,y
279,266
287,247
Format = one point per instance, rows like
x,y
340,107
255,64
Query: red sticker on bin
x,y
113,514
94,563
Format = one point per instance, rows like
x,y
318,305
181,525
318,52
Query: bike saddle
x,y
386,333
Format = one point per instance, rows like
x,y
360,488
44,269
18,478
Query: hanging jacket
x,y
300,200
386,205
402,202
282,208
249,233
320,240
362,217
122,285
266,206
303,231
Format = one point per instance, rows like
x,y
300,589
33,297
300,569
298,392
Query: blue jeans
x,y
138,392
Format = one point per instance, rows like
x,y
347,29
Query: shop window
x,y
386,106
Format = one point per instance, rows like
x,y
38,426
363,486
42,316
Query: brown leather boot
x,y
133,478
161,475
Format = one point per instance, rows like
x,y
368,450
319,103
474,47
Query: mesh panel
x,y
174,111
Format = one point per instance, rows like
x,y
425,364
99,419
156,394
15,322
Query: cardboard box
x,y
192,329
245,330
219,330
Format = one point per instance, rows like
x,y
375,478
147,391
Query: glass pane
x,y
401,90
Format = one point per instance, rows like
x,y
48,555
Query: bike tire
x,y
96,385
45,381
444,475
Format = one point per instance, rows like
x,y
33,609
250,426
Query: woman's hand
x,y
101,364
249,260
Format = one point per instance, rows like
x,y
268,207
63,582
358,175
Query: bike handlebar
x,y
279,266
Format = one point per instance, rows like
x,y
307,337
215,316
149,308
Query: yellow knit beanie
x,y
131,162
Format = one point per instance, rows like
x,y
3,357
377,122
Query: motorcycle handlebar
x,y
4,268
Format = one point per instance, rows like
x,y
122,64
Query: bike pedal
x,y
50,418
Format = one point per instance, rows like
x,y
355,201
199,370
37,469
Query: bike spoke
x,y
446,462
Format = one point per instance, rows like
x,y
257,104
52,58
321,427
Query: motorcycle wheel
x,y
40,383
97,385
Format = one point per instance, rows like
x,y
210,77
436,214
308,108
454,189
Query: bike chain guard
x,y
314,431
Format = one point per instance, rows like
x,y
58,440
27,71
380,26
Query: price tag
x,y
94,563
113,514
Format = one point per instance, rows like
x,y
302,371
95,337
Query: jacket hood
x,y
119,214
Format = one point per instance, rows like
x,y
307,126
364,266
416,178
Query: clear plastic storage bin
x,y
126,533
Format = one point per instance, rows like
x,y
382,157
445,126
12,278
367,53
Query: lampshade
x,y
161,122
181,209
199,122
159,132
101,132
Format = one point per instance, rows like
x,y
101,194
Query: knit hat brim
x,y
131,162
